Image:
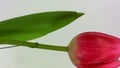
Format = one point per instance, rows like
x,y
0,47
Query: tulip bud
x,y
94,50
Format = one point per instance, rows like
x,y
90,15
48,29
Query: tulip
x,y
94,50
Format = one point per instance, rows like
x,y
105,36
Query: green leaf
x,y
35,25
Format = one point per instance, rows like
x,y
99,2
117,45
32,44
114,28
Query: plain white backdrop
x,y
100,16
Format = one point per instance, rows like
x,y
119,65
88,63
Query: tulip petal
x,y
96,50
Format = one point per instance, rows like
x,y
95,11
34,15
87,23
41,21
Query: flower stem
x,y
33,45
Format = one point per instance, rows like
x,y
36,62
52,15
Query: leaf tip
x,y
80,13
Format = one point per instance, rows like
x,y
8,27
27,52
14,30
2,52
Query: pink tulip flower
x,y
95,50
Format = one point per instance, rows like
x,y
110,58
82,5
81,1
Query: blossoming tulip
x,y
95,50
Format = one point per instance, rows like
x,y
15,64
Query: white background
x,y
100,16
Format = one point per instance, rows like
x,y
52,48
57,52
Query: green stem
x,y
34,45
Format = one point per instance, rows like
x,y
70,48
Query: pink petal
x,y
95,50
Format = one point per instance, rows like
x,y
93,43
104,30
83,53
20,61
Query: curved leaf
x,y
35,25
